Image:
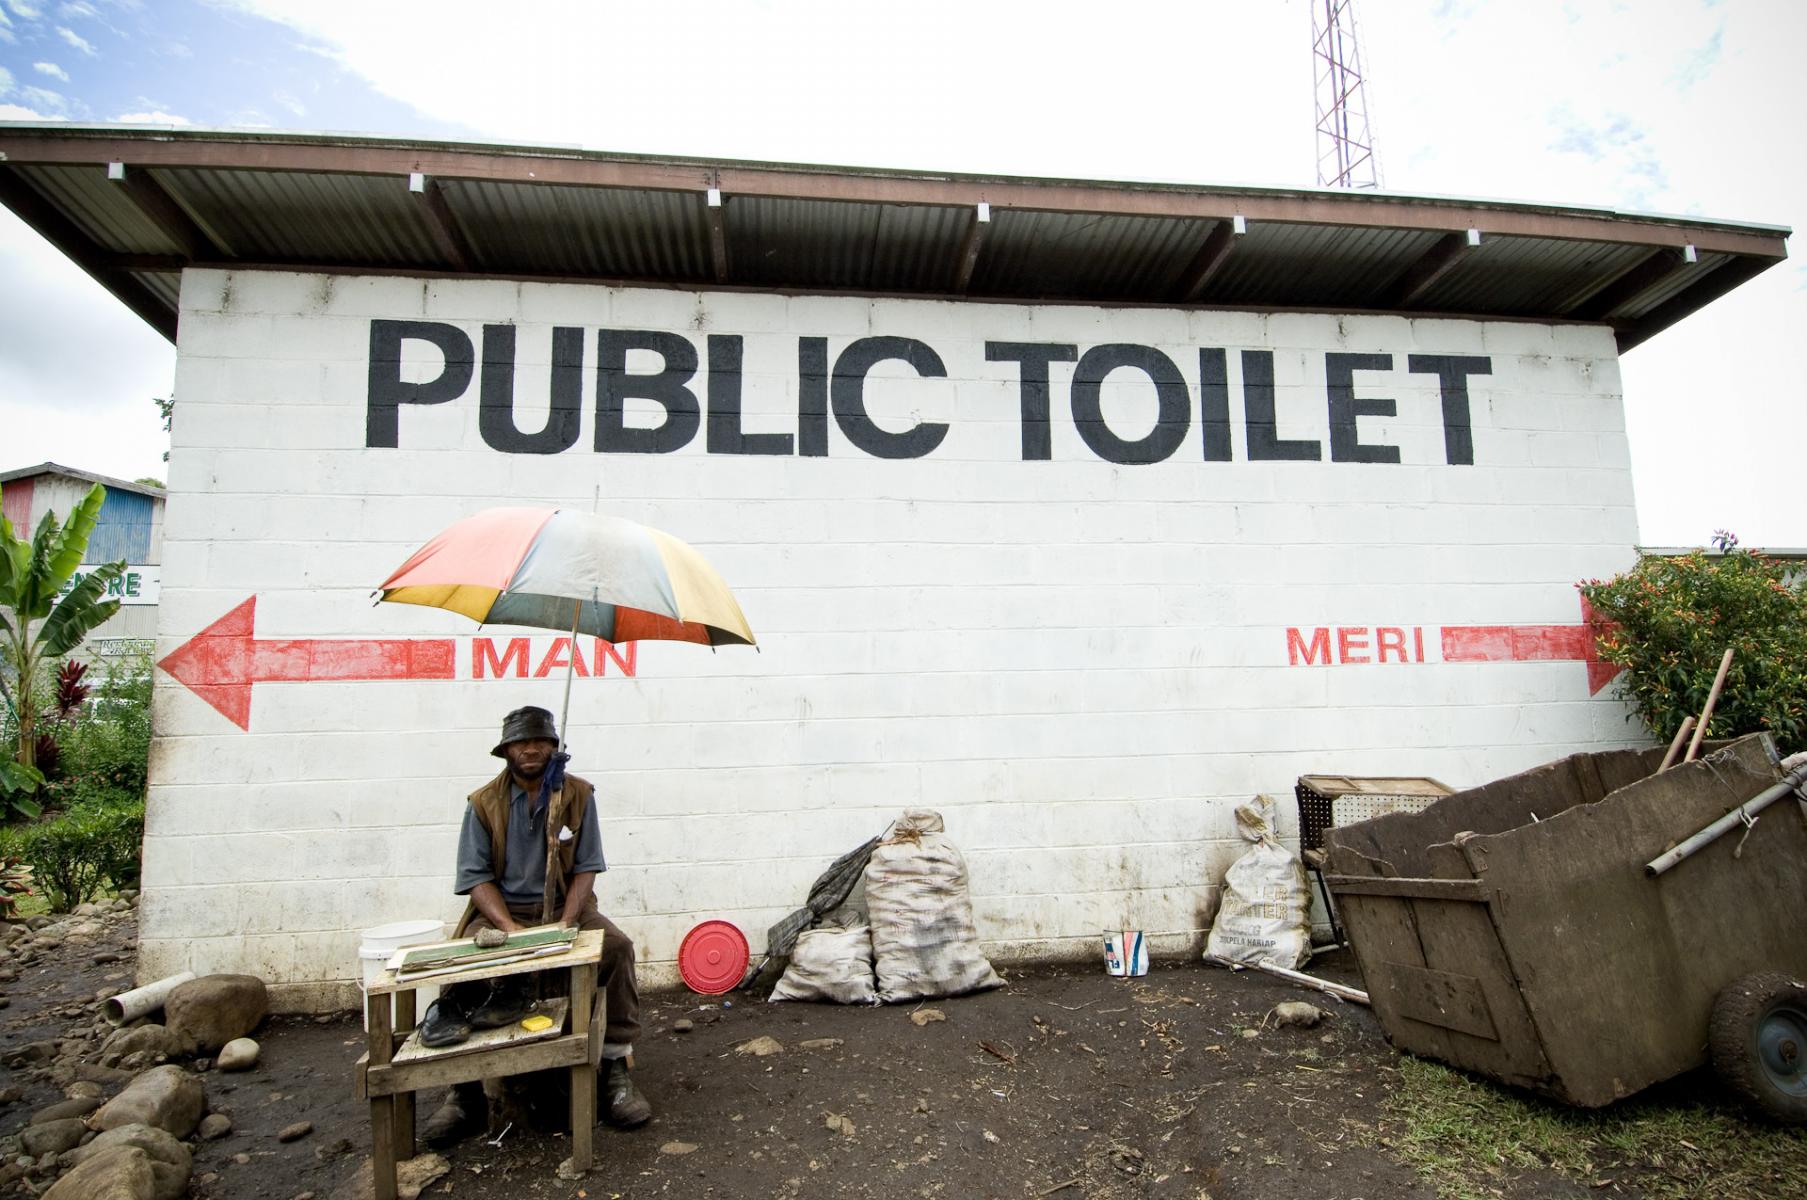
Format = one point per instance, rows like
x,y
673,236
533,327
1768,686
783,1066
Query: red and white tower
x,y
1345,140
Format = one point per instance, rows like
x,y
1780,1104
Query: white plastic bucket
x,y
1125,953
379,946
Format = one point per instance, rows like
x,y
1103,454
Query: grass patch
x,y
1679,1141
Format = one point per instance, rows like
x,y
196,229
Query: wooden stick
x,y
1338,990
1675,746
1706,714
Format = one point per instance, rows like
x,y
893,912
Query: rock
x,y
295,1132
84,1090
760,1047
12,1095
925,1016
122,1173
839,1124
215,1126
490,939
128,894
167,1097
678,1148
239,1054
1251,1033
52,1137
1298,1013
32,1053
171,1161
107,956
206,1013
819,1043
136,1039
88,909
683,1025
95,1073
411,1178
65,1108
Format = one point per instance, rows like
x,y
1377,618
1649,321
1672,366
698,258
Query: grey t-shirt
x,y
524,882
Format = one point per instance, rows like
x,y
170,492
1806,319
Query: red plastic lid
x,y
713,957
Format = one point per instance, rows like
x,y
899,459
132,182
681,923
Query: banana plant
x,y
36,627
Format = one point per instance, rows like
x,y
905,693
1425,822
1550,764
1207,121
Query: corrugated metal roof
x,y
342,203
1300,265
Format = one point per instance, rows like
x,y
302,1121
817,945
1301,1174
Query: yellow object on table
x,y
536,1023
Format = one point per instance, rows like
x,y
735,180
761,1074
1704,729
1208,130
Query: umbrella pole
x,y
564,739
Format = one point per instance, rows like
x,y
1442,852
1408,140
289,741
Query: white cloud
x,y
51,69
151,118
6,81
77,40
24,10
290,102
44,98
78,9
18,112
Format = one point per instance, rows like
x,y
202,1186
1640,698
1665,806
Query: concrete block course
x,y
1083,641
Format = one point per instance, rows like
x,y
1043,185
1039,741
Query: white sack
x,y
923,938
831,963
1266,910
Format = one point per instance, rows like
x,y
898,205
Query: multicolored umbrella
x,y
559,569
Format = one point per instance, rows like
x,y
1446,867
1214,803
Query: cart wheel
x,y
1759,1043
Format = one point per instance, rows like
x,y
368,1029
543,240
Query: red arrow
x,y
222,662
1533,643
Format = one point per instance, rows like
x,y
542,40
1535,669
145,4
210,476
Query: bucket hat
x,y
524,725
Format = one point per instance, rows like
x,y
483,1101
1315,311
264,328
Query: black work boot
x,y
623,1106
463,1112
446,1022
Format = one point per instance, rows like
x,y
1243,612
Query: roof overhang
x,y
134,206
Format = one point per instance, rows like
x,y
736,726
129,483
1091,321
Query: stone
x,y
136,1039
490,939
678,1148
412,1177
295,1132
819,1043
239,1054
215,1126
122,1173
171,1161
167,1097
12,1095
88,909
683,1025
84,1090
1298,1013
52,1137
32,1053
95,1073
760,1047
80,1107
206,1013
924,1016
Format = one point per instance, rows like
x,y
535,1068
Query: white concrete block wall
x,y
1083,665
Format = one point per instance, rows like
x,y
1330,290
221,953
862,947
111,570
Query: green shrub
x,y
1672,620
75,854
108,741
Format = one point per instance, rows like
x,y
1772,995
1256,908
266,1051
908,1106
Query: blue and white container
x,y
1125,953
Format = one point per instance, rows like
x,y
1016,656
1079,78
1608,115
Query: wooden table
x,y
396,1065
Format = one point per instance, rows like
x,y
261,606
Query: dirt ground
x,y
1064,1083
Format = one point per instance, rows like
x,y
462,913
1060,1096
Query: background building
x,y
130,530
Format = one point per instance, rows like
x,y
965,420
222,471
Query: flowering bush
x,y
1672,619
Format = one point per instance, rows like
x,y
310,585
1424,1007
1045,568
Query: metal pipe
x,y
1743,814
129,1006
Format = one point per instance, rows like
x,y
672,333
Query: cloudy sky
x,y
1675,106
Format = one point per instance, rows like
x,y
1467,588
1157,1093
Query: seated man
x,y
529,816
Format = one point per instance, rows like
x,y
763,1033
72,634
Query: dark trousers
x,y
614,974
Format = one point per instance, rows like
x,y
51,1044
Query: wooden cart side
x,y
1405,839
1619,971
1437,976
